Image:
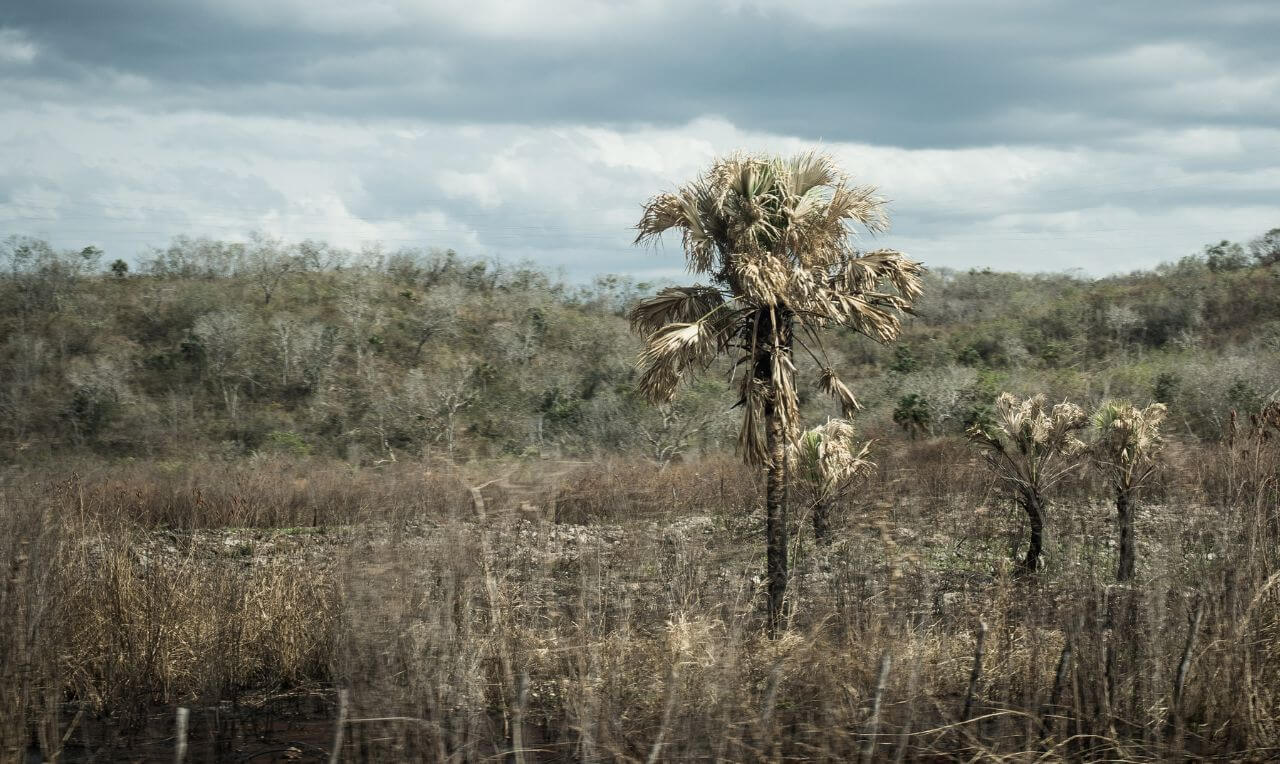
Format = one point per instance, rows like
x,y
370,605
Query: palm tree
x,y
1128,442
774,236
1031,447
827,459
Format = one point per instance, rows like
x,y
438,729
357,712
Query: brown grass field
x,y
613,611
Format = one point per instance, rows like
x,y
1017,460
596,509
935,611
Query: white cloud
x,y
1186,78
15,47
1152,61
566,196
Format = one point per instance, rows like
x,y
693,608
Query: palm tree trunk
x,y
776,515
1128,552
776,448
1034,507
822,522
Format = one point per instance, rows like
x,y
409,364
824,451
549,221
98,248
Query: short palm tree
x,y
774,237
1128,441
827,459
1031,447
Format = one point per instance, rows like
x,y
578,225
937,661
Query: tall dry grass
x,y
612,611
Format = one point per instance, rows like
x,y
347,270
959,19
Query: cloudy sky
x,y
1020,134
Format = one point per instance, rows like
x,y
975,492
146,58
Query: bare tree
x,y
315,346
452,397
224,338
267,261
359,310
318,256
43,275
435,319
26,359
200,258
674,432
284,339
100,385
431,404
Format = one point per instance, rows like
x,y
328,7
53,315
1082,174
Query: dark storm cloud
x,y
912,74
1009,133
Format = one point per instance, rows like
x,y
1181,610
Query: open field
x,y
639,382
613,611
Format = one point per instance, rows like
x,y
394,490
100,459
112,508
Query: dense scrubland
x,y
228,350
406,505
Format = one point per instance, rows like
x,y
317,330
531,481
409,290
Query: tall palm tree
x,y
1128,442
1032,447
774,237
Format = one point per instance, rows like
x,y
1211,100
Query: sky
x,y
1028,135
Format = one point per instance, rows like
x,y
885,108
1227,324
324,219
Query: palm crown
x,y
1027,438
828,456
1128,441
775,237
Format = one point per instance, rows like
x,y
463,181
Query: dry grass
x,y
631,629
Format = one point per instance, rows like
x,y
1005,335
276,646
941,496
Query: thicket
x,y
230,349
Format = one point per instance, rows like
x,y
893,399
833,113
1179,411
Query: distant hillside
x,y
232,349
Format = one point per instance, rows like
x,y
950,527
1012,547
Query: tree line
x,y
230,348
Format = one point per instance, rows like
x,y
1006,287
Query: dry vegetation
x,y
615,611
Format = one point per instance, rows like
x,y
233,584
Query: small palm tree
x,y
1031,447
1128,440
827,459
774,236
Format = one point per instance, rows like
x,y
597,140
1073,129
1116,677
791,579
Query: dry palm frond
x,y
811,171
751,439
859,204
786,404
662,213
894,267
863,272
673,350
763,278
659,382
674,305
861,314
831,385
